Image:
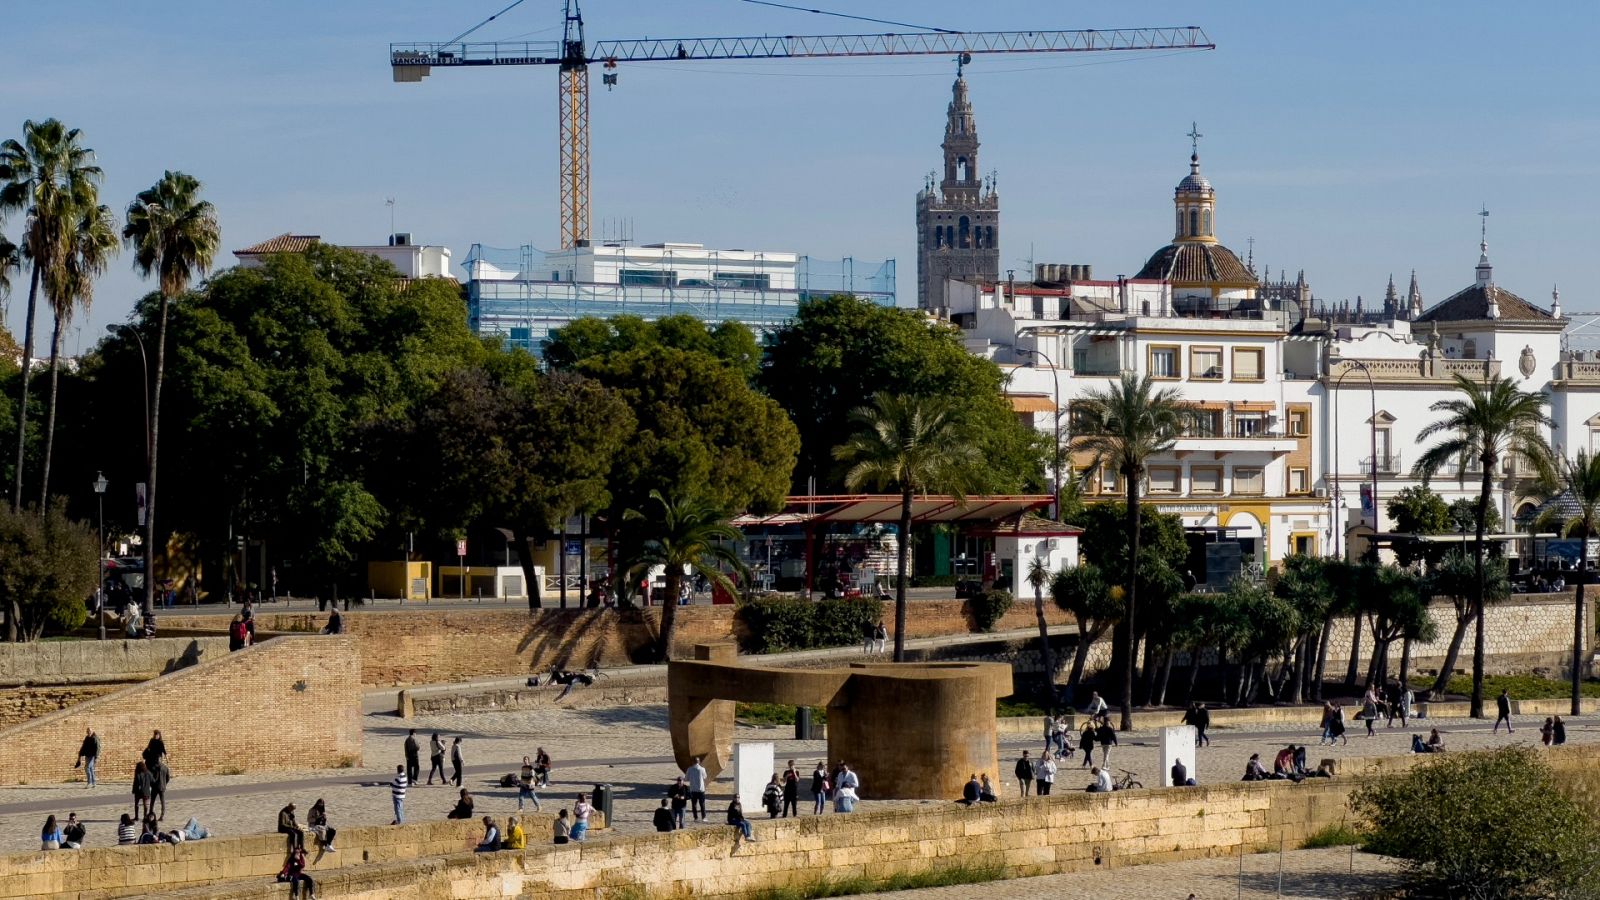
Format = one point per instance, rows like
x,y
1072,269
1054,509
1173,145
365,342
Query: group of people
x,y
874,638
1288,765
1395,701
686,796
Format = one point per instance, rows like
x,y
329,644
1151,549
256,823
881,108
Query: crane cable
x,y
823,12
514,5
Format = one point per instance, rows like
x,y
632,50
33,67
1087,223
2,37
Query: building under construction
x,y
525,294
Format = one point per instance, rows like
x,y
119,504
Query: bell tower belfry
x,y
958,216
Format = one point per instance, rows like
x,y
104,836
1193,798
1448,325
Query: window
x,y
1205,479
1303,544
1180,223
1247,365
1298,420
1249,424
966,232
1164,362
1194,222
1205,423
646,278
1164,480
1205,364
1205,222
741,280
1109,482
1248,481
1080,360
1299,481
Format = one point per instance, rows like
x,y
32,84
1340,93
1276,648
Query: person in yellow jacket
x,y
514,838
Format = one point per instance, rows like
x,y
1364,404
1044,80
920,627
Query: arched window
x,y
1205,222
965,233
949,235
988,237
961,168
1180,223
938,237
1194,222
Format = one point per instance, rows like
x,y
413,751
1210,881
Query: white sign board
x,y
753,763
1177,744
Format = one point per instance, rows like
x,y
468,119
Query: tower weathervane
x,y
1483,228
1194,138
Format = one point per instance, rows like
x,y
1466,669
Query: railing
x,y
1572,370
1387,465
1426,368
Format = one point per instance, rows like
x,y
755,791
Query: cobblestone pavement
x,y
1331,873
628,747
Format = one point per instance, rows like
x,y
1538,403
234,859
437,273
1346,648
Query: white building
x,y
524,295
412,260
1285,420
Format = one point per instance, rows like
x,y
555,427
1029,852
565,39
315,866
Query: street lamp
x,y
148,509
1055,400
100,576
145,360
1353,365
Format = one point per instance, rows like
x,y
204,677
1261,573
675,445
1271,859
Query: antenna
x,y
389,202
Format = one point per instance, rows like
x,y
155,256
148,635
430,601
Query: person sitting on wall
x,y
1254,770
1435,743
463,807
986,792
970,791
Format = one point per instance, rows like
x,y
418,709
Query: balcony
x,y
1275,444
1411,371
1387,465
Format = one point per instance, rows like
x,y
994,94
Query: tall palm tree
x,y
1580,477
916,444
1121,427
91,241
685,530
174,236
45,175
1485,423
1039,575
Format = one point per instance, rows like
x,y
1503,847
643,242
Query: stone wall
x,y
287,703
69,662
21,704
1063,833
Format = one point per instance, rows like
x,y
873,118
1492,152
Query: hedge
x,y
778,624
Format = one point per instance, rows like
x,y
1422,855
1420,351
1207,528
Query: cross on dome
x,y
1194,138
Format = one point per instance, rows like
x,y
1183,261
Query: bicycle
x,y
1128,781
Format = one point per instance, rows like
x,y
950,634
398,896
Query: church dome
x,y
1190,262
1194,182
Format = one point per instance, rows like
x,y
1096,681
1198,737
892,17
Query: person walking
x,y
159,776
413,756
1106,737
1336,725
436,759
397,793
1024,773
1198,718
1502,705
791,792
1558,732
819,789
1547,731
880,637
88,754
525,785
317,821
678,793
142,789
772,796
1044,774
155,751
664,820
1086,744
456,762
696,776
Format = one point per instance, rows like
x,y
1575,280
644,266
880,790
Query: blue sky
x,y
1350,140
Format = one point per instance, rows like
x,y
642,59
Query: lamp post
x,y
145,360
149,455
1354,364
100,561
1055,400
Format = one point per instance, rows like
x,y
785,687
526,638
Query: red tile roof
x,y
283,243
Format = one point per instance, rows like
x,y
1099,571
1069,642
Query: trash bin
x,y
802,723
602,802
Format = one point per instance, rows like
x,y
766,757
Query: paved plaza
x,y
627,747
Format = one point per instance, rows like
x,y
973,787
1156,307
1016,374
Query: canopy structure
x,y
816,510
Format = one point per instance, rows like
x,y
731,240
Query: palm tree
x,y
684,531
1038,576
919,445
10,264
173,235
91,241
1581,479
45,174
1121,427
1485,423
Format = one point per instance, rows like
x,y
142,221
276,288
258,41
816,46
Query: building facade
x,y
412,260
958,217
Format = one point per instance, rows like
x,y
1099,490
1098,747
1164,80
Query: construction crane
x,y
413,62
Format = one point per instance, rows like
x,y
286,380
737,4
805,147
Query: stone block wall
x,y
291,702
68,662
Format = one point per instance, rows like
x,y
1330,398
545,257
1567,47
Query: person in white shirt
x,y
1097,704
696,776
1102,781
1044,774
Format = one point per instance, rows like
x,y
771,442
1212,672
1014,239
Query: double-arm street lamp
x,y
1372,389
1055,400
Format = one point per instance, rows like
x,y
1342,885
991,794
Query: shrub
x,y
1522,687
1340,835
48,566
1484,825
773,715
921,581
988,607
776,624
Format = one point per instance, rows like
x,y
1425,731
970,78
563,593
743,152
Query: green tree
x,y
49,565
1082,591
1122,427
1580,477
1484,826
584,339
1418,510
1038,578
1464,516
1304,586
679,533
1486,422
10,265
1398,610
1456,576
1262,627
91,241
45,175
917,445
174,236
837,353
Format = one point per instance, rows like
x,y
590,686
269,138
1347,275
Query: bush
x,y
933,581
1485,825
49,565
773,715
988,607
776,624
1340,835
1522,687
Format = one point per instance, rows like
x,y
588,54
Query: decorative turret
x,y
1414,296
1555,302
1194,198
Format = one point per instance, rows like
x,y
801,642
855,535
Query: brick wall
x,y
1063,833
21,704
291,702
66,662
